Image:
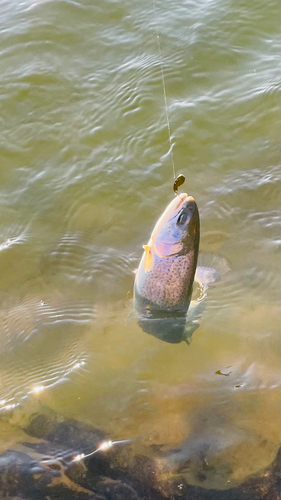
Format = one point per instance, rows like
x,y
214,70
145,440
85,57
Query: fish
x,y
164,279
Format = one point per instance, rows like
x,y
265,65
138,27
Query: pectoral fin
x,y
148,259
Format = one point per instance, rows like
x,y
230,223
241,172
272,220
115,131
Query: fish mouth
x,y
184,198
181,198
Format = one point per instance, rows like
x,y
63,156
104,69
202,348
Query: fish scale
x,y
176,274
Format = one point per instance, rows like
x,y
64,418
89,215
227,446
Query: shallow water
x,y
85,173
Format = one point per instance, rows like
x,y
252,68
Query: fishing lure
x,y
179,180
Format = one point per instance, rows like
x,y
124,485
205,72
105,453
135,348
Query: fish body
x,y
164,280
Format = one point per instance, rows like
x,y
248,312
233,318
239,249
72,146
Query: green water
x,y
85,173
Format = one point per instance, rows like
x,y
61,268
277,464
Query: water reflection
x,y
41,343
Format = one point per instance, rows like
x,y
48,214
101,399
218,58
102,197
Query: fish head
x,y
177,231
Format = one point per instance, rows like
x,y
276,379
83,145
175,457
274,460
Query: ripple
x,y
250,285
41,342
23,382
234,202
249,180
20,320
10,242
78,259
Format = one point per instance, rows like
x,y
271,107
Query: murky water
x,y
84,176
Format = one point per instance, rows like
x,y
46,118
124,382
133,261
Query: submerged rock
x,y
47,470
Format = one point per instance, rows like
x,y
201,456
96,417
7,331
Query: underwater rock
x,y
45,470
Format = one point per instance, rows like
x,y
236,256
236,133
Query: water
x,y
84,176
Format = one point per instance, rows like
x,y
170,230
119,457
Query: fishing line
x,y
164,90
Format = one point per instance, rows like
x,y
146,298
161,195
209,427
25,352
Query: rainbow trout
x,y
164,280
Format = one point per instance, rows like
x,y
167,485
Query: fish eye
x,y
182,218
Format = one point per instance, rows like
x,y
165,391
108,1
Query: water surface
x,y
85,174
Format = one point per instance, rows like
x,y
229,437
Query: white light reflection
x,y
37,389
103,446
78,365
6,405
9,407
79,457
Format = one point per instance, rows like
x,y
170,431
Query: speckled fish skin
x,y
166,272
